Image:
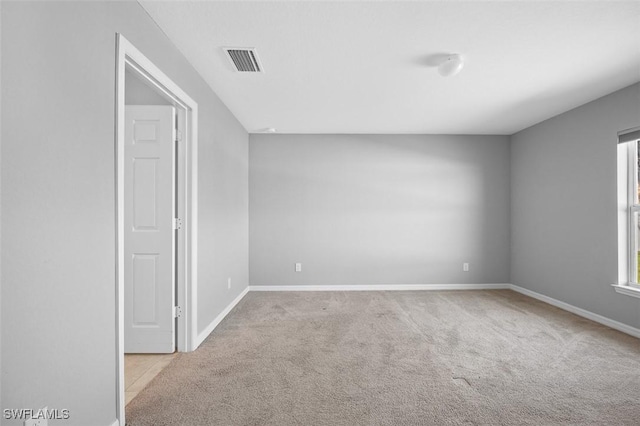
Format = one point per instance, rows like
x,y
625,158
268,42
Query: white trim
x,y
128,56
627,289
119,193
115,423
380,287
217,320
626,135
623,221
579,311
632,195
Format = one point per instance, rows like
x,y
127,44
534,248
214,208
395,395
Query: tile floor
x,y
140,369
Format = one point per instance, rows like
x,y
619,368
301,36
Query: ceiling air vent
x,y
244,59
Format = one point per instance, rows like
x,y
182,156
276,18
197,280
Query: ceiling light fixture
x,y
451,65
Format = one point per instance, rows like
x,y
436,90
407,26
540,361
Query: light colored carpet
x,y
399,358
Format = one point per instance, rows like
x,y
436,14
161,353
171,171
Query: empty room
x,y
319,213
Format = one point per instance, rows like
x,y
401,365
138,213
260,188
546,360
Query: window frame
x,y
628,212
633,213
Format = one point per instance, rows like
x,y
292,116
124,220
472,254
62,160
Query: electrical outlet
x,y
228,283
298,267
465,267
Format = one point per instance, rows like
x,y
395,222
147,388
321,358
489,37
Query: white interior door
x,y
149,248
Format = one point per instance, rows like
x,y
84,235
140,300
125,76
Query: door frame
x,y
130,58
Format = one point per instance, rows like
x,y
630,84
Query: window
x,y
629,212
634,211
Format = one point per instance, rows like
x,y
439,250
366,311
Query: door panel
x,y
145,180
145,284
149,235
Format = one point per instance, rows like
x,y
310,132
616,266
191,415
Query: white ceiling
x,y
366,67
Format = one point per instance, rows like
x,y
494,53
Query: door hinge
x,y
177,312
177,223
178,136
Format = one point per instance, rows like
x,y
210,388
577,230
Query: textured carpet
x,y
399,358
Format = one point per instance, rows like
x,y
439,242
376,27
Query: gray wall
x,y
58,241
363,209
563,209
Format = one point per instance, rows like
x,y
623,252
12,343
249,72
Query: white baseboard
x,y
379,287
217,320
579,311
115,423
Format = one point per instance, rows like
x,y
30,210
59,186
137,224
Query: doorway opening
x,y
156,211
